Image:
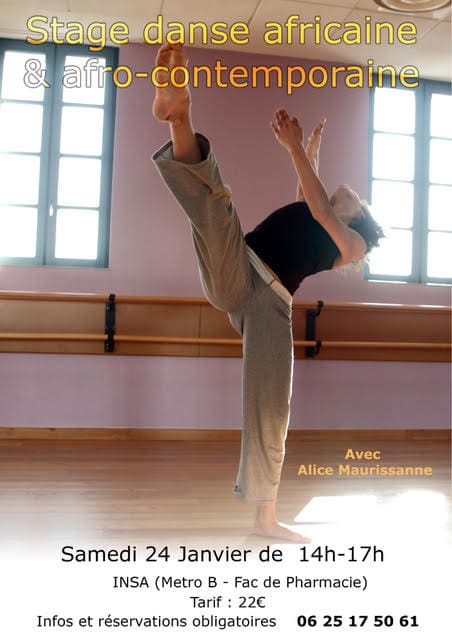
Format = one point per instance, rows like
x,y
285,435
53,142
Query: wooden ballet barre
x,y
332,344
375,345
302,304
297,343
63,337
127,299
176,340
53,297
94,337
94,323
374,306
31,296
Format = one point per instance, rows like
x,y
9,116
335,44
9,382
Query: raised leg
x,y
190,170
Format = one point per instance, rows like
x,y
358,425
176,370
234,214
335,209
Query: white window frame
x,y
50,153
423,94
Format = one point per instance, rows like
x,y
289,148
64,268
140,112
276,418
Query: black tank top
x,y
293,244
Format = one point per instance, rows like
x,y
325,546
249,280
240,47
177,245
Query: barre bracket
x,y
311,315
110,322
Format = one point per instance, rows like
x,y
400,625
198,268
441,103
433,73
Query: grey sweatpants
x,y
258,306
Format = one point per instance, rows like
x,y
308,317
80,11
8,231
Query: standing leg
x,y
266,324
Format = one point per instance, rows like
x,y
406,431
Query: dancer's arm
x,y
350,244
312,151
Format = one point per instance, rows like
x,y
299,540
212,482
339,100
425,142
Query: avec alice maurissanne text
x,y
376,469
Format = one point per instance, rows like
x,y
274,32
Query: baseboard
x,y
124,434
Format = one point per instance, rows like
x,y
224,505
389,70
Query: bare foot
x,y
265,524
171,104
275,530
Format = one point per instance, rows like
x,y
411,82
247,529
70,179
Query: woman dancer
x,y
253,278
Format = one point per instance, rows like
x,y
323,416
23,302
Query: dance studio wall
x,y
151,253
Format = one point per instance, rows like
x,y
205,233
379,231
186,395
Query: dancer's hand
x,y
313,144
287,130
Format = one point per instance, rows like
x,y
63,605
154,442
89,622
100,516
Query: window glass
x,y
79,182
393,157
441,161
439,263
81,131
441,115
394,255
76,234
392,203
13,85
394,110
19,179
84,79
440,209
20,127
18,227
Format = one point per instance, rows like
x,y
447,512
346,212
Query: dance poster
x,y
367,564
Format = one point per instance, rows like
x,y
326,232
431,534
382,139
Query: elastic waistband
x,y
268,277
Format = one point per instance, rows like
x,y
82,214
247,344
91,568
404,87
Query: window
x,y
411,182
56,149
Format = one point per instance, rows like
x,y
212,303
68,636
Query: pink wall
x,y
61,391
151,254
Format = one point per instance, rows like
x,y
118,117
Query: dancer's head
x,y
346,204
356,214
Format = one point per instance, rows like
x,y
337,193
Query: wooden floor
x,y
101,490
111,495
